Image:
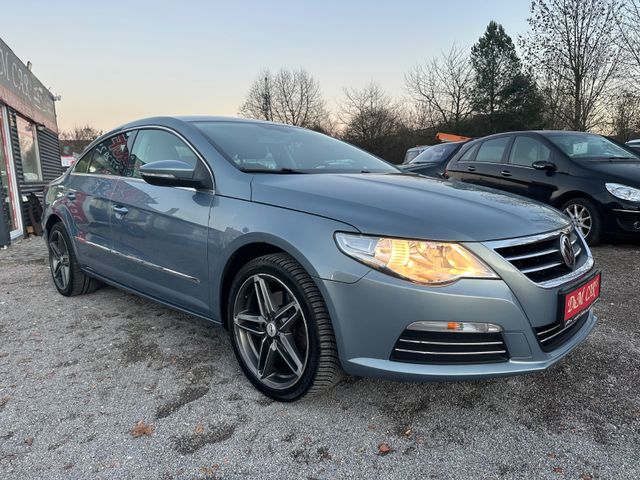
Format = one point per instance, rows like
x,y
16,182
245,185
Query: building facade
x,y
29,147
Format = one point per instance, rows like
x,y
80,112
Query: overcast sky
x,y
116,61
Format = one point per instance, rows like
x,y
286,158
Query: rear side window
x,y
111,156
492,150
527,150
469,154
155,145
82,164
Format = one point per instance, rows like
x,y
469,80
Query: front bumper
x,y
371,314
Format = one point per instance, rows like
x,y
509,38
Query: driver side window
x,y
527,150
154,145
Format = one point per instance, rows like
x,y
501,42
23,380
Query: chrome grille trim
x,y
542,267
532,255
485,352
580,248
430,342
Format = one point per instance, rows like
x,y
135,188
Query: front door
x,y
520,177
160,233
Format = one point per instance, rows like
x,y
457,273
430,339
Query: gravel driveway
x,y
78,374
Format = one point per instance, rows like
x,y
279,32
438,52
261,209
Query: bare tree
x,y
373,121
441,88
575,42
628,20
368,115
258,103
85,133
288,96
625,115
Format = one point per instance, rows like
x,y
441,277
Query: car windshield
x,y
436,153
267,148
589,146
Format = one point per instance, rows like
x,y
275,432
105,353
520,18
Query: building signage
x,y
21,90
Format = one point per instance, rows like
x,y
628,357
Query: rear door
x,y
160,233
88,200
484,164
520,177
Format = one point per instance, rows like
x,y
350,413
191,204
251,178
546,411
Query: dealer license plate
x,y
580,299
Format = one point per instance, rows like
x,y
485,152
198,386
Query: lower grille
x,y
555,334
416,346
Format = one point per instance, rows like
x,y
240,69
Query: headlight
x,y
623,192
428,263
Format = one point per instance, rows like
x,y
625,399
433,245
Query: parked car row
x,y
592,179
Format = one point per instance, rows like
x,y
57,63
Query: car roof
x,y
175,120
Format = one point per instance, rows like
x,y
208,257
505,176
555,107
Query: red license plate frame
x,y
579,299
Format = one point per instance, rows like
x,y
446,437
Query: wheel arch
x,y
51,221
571,195
243,253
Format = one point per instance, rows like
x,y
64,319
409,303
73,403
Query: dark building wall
x,y
49,151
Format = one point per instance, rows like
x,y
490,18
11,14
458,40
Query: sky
x,y
115,61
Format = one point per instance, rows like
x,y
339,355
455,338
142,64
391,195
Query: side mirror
x,y
544,165
172,173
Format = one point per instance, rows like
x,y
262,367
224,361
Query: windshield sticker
x,y
580,148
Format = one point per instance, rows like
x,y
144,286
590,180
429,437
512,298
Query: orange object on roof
x,y
450,137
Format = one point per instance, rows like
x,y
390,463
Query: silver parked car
x,y
318,257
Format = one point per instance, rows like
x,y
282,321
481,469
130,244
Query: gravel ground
x,y
77,374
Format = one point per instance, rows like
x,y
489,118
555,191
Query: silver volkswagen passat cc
x,y
318,257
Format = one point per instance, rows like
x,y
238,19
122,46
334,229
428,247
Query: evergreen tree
x,y
504,96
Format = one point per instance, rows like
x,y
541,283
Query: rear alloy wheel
x,y
67,276
280,329
585,219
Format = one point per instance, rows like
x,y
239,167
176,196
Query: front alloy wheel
x,y
280,329
271,331
581,218
585,218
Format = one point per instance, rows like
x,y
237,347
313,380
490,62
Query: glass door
x,y
9,205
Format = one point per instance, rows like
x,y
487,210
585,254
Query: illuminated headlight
x,y
424,262
623,192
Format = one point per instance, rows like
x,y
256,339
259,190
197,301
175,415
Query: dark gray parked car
x,y
318,257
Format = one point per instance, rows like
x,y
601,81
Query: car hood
x,y
408,206
622,171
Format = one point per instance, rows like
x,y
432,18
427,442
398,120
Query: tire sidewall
x,y
297,390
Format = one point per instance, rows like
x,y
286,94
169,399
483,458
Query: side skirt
x,y
120,286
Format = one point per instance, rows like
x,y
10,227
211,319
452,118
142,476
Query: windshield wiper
x,y
620,158
275,170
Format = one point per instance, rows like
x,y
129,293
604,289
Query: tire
x,y
67,276
285,345
578,205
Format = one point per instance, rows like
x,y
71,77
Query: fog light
x,y
464,327
636,224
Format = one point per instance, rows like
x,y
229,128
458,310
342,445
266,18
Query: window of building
x,y
31,168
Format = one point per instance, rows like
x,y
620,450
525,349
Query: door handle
x,y
120,210
505,173
71,196
471,168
